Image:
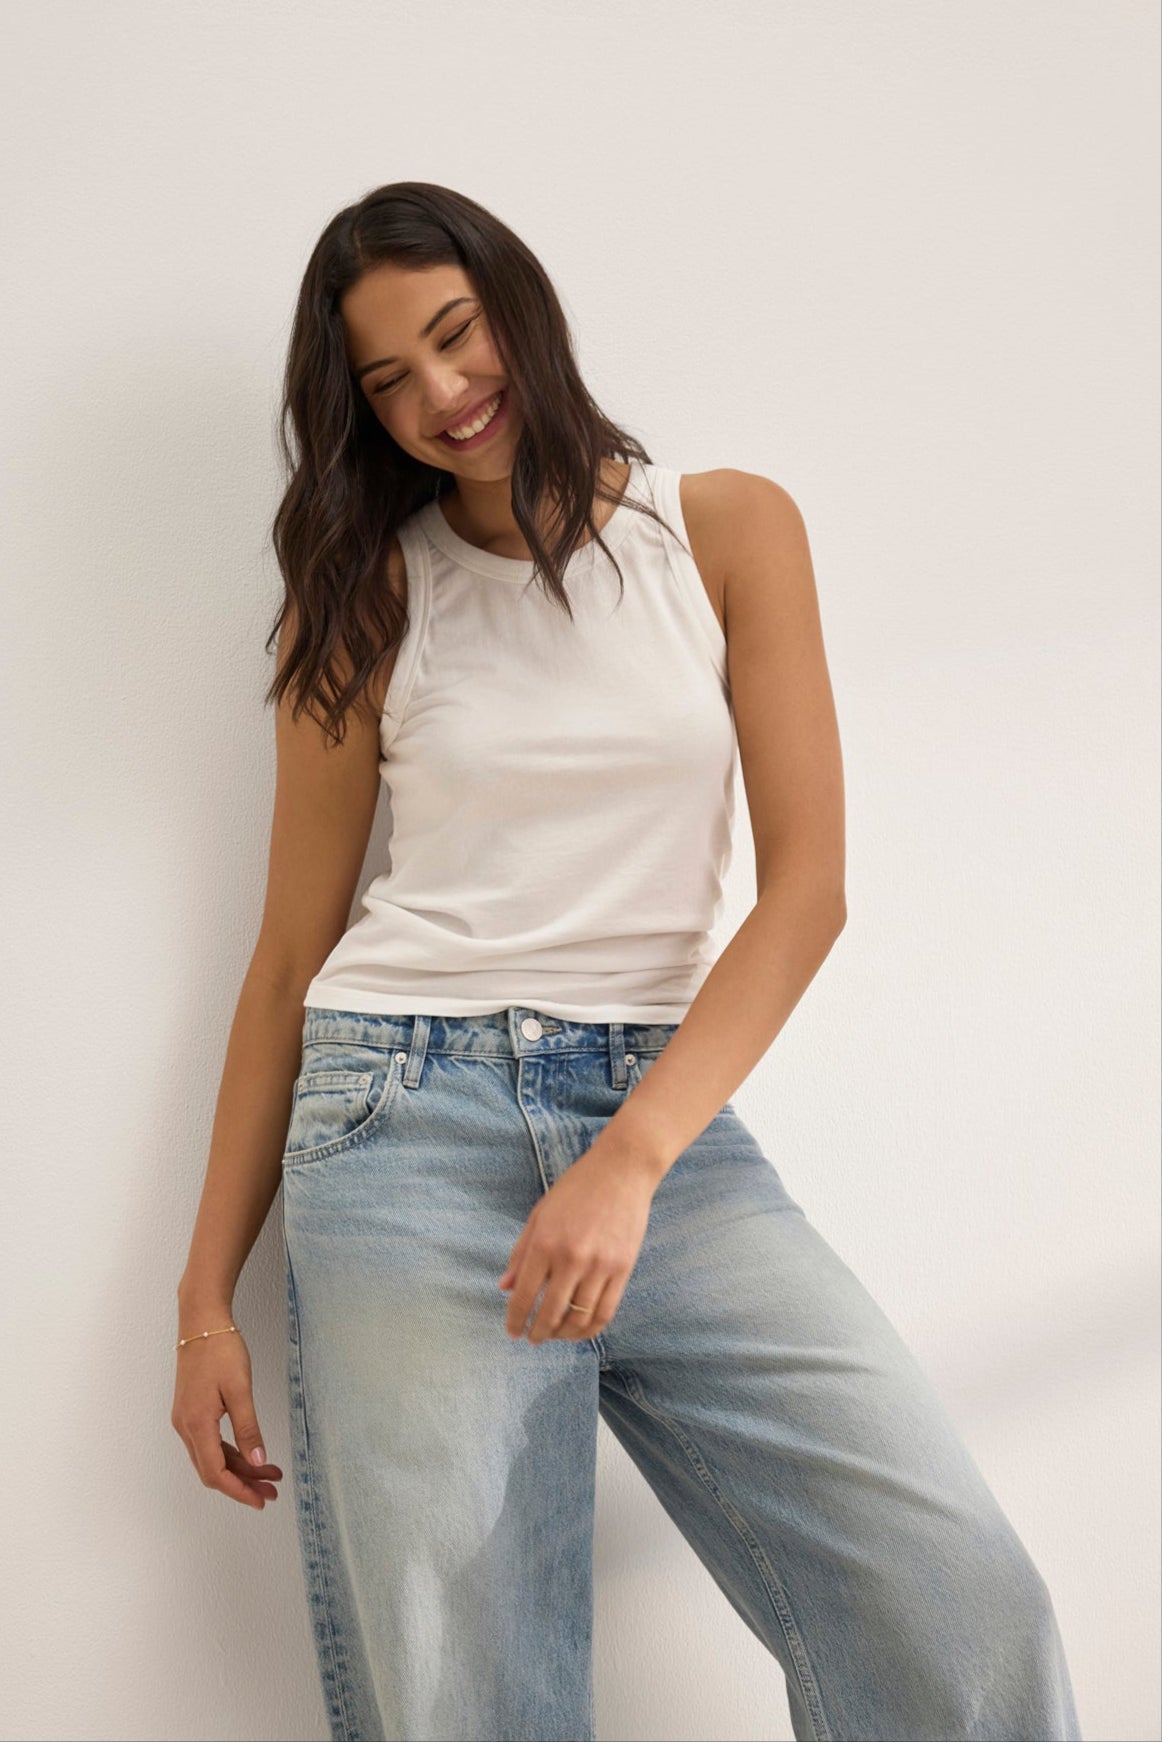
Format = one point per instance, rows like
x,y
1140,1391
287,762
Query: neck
x,y
480,512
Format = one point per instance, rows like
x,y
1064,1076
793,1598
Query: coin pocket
x,y
328,1107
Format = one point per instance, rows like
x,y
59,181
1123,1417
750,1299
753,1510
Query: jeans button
x,y
531,1028
631,1058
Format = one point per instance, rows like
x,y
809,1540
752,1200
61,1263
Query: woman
x,y
513,1074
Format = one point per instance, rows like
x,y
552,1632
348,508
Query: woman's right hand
x,y
213,1378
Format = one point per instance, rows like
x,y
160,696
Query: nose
x,y
444,390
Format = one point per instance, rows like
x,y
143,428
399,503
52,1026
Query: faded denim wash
x,y
444,1473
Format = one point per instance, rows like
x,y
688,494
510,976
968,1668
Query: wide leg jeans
x,y
444,1473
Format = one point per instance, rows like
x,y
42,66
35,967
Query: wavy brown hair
x,y
350,485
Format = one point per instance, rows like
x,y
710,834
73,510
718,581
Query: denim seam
x,y
313,1509
533,1135
780,1602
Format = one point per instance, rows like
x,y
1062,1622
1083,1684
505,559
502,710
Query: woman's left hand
x,y
580,1244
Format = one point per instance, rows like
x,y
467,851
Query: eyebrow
x,y
435,321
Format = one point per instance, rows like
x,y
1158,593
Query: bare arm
x,y
582,1238
325,798
751,531
324,805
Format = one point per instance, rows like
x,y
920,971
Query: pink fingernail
x,y
258,1456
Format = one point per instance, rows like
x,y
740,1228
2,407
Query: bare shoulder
x,y
730,517
756,546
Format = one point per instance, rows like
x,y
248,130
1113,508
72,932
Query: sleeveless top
x,y
562,794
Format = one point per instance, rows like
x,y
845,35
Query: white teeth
x,y
482,422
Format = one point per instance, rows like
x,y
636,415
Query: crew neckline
x,y
511,568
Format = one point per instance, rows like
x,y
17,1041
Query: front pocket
x,y
331,1107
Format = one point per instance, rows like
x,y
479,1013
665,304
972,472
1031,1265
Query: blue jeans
x,y
444,1473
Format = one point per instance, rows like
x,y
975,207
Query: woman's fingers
x,y
208,1452
533,1270
209,1386
596,1289
239,1400
564,1286
246,1462
258,1478
610,1299
509,1276
591,1291
222,1466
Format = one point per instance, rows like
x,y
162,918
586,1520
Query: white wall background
x,y
904,259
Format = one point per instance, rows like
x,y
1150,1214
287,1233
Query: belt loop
x,y
617,1071
417,1051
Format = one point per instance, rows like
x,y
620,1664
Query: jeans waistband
x,y
512,1033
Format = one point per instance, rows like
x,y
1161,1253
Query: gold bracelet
x,y
198,1335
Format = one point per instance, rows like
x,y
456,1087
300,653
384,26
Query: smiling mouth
x,y
481,423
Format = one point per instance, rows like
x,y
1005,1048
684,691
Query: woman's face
x,y
422,355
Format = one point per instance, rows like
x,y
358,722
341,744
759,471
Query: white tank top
x,y
562,794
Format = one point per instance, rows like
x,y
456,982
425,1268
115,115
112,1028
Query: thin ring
x,y
574,1308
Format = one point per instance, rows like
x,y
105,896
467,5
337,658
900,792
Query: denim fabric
x,y
444,1473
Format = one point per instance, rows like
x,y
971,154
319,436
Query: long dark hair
x,y
350,485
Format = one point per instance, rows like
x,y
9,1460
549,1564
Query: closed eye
x,y
452,339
